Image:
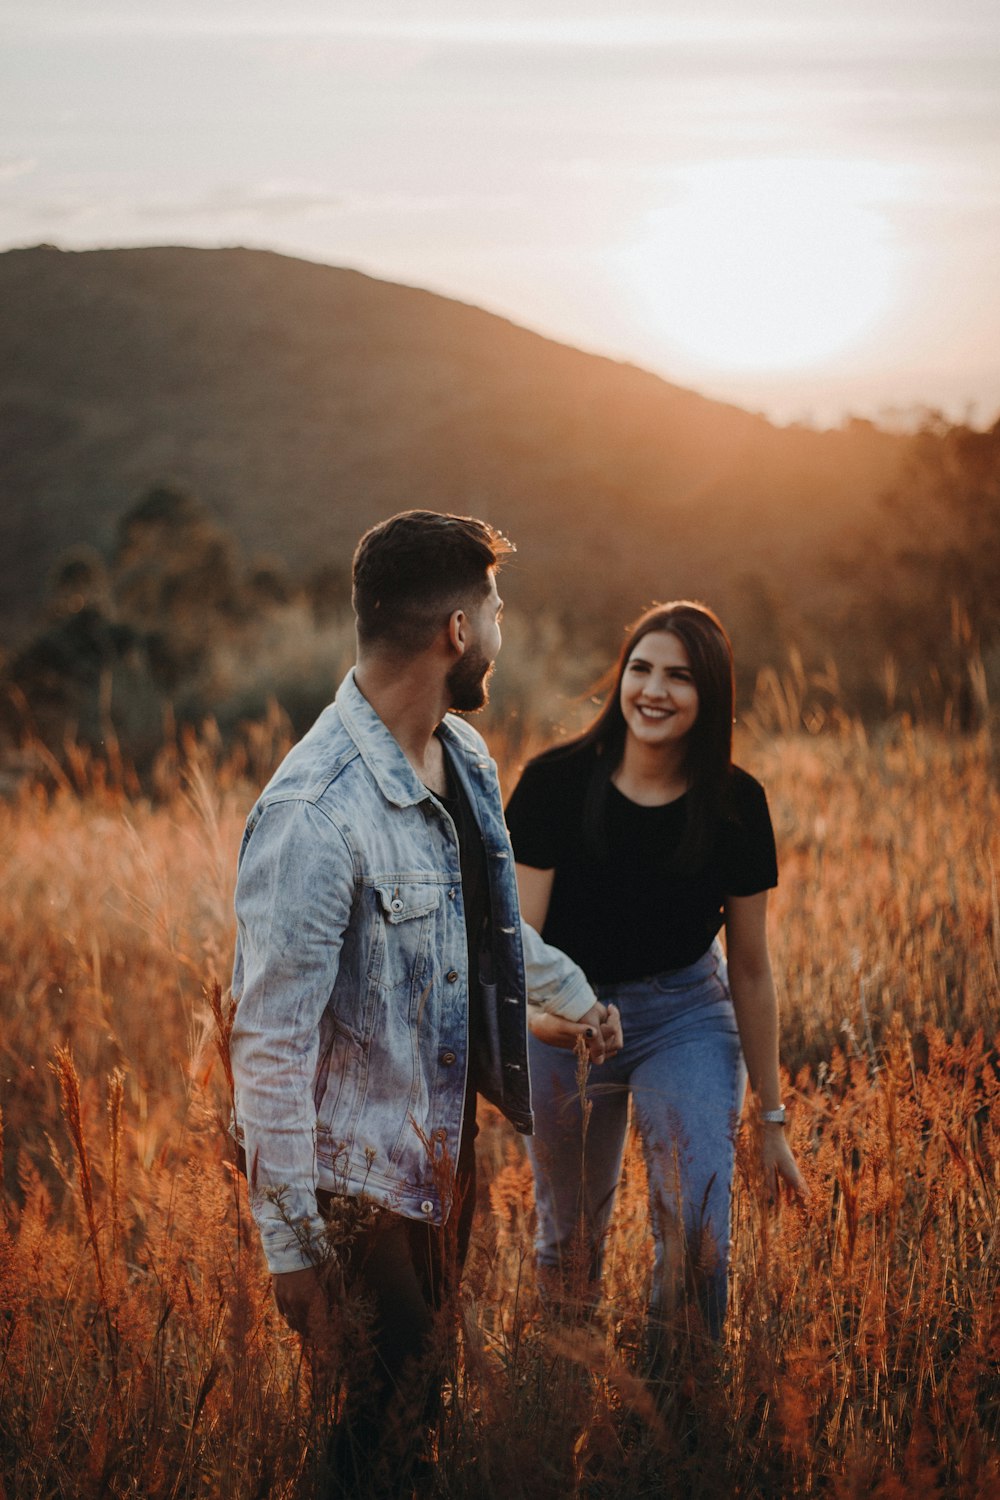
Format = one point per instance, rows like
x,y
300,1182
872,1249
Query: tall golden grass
x,y
140,1352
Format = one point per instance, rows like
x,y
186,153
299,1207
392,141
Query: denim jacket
x,y
351,1044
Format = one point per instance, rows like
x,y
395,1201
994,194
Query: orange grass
x,y
140,1353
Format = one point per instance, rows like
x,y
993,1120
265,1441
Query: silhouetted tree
x,y
175,578
79,579
926,581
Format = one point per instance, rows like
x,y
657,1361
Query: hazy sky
x,y
790,204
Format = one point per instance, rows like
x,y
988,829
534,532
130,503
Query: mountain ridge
x,y
302,402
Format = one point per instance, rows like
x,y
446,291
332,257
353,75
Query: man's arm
x,y
554,982
562,1007
293,902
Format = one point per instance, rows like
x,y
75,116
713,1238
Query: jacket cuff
x,y
574,999
554,982
293,1247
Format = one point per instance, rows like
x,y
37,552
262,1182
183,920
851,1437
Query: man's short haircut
x,y
411,571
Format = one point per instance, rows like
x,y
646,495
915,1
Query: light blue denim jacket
x,y
350,1047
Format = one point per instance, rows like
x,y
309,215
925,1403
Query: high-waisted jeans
x,y
682,1066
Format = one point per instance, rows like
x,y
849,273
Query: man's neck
x,y
411,703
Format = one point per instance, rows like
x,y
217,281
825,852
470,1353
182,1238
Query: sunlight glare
x,y
766,265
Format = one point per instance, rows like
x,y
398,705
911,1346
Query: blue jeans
x,y
682,1066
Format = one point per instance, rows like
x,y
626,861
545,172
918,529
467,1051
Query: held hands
x,y
600,1028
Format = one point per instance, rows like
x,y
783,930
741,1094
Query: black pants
x,y
401,1273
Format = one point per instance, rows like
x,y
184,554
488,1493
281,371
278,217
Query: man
x,y
381,967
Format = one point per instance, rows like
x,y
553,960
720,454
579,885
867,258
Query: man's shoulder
x,y
314,765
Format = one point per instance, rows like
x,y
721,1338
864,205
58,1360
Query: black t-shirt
x,y
476,903
627,913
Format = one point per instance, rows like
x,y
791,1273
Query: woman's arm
x,y
600,1027
755,1002
534,892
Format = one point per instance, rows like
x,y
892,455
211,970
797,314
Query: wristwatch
x,y
773,1116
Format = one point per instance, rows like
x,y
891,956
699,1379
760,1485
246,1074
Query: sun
x,y
766,265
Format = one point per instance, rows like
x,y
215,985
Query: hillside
x,y
301,402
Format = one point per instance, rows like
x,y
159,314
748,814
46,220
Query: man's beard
x,y
468,682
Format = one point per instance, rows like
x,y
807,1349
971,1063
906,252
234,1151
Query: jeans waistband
x,y
702,968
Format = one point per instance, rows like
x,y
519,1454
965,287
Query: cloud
x,y
263,200
270,202
16,166
565,24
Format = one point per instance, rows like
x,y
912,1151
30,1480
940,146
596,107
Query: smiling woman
x,y
767,265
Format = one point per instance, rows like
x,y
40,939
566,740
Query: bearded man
x,y
382,973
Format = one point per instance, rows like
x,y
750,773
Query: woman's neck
x,y
651,774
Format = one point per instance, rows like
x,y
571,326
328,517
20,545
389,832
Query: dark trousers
x,y
400,1274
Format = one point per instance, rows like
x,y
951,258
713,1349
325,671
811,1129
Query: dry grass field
x,y
141,1355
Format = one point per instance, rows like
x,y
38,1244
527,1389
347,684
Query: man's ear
x,y
458,631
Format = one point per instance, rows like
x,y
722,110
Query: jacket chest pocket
x,y
404,924
405,902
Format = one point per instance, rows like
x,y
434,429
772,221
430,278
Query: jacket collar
x,y
378,748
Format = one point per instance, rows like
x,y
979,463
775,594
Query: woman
x,y
635,843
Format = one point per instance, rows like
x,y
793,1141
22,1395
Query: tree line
x,y
172,623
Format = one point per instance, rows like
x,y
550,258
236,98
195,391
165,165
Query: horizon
x,y
899,420
792,212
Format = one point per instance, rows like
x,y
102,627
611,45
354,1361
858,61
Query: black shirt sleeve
x,y
537,815
749,859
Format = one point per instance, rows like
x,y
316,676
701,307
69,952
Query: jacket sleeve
x,y
553,981
294,893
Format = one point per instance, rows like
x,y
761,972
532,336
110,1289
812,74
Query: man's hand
x,y
302,1299
600,1028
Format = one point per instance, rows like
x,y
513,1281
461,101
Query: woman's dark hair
x,y
710,740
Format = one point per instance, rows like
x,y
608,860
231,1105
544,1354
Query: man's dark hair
x,y
411,571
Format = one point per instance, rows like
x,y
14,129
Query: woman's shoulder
x,y
545,807
567,758
552,784
746,799
742,784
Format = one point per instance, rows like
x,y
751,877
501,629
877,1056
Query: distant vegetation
x,y
173,625
171,628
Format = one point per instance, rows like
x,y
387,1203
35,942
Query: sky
x,y
787,204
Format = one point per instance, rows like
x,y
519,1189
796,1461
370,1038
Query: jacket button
x,y
427,1206
451,976
447,1058
440,1134
396,905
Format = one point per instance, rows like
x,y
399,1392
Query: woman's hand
x,y
780,1165
600,1028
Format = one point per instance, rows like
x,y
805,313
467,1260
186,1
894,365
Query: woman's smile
x,y
659,699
